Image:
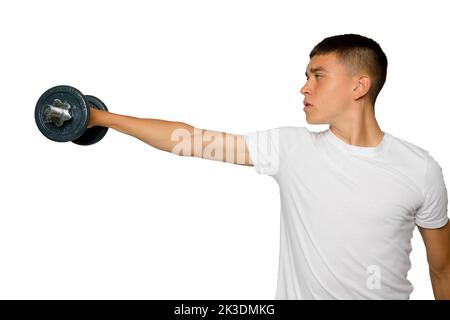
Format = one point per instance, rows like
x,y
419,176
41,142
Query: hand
x,y
93,117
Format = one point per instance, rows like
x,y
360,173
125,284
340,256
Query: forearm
x,y
441,285
155,132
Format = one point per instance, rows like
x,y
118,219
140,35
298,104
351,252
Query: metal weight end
x,y
57,113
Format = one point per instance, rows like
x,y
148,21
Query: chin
x,y
311,120
315,119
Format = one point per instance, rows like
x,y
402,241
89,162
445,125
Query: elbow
x,y
440,271
175,137
182,139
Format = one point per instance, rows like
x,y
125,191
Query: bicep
x,y
437,245
220,146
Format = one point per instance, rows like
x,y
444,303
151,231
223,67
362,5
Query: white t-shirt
x,y
347,212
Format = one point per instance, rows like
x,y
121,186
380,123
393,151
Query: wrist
x,y
97,118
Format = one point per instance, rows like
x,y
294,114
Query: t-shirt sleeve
x,y
433,211
270,148
264,149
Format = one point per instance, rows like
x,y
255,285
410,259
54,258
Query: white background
x,y
122,220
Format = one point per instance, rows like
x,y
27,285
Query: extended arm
x,y
177,137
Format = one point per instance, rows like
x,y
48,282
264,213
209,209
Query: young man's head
x,y
344,76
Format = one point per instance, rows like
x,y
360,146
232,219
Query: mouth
x,y
307,106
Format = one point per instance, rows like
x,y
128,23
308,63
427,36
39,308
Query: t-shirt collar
x,y
366,151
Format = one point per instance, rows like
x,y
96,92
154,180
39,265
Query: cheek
x,y
332,98
331,92
338,93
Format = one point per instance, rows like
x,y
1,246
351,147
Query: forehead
x,y
323,62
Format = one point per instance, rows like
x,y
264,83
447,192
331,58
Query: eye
x,y
316,75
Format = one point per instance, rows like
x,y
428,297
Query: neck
x,y
359,128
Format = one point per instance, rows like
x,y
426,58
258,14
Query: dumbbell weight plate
x,y
71,129
93,134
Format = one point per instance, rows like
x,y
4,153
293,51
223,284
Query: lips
x,y
307,104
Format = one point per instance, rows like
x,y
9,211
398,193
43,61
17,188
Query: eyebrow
x,y
313,70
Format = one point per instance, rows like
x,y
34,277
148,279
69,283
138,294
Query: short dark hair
x,y
357,53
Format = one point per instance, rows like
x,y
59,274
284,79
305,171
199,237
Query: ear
x,y
361,86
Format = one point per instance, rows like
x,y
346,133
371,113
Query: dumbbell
x,y
62,115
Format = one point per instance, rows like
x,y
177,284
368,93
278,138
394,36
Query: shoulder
x,y
406,154
286,135
417,161
407,146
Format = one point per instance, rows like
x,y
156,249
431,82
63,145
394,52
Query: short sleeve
x,y
433,211
264,149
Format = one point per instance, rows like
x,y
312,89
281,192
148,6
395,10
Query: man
x,y
350,196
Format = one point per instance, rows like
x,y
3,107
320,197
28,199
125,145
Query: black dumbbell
x,y
62,115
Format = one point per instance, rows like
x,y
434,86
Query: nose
x,y
305,89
